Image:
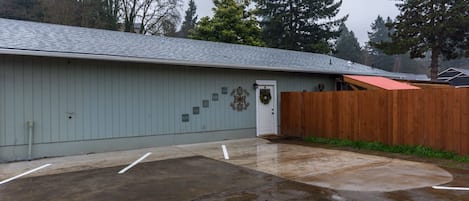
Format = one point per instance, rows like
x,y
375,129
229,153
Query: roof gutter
x,y
72,55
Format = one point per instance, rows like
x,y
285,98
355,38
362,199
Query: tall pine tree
x,y
303,25
439,27
231,23
347,46
190,20
379,34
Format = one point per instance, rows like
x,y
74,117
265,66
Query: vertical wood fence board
x,y
429,120
330,125
456,129
464,110
394,118
291,114
439,106
323,112
400,110
420,123
447,127
335,102
308,110
344,105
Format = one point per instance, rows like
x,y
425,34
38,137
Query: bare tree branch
x,y
151,15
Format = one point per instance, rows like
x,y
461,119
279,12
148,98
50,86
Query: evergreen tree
x,y
347,45
21,10
379,33
85,13
440,27
231,23
300,24
376,57
190,20
98,14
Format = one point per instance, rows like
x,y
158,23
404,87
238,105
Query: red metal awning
x,y
377,83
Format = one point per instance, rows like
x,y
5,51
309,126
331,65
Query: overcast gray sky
x,y
361,13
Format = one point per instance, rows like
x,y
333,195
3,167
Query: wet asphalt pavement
x,y
192,178
196,178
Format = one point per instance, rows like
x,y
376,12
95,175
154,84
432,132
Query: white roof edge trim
x,y
446,70
40,53
450,69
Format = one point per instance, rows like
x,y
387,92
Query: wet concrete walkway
x,y
339,170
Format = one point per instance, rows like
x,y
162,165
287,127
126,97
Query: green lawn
x,y
419,150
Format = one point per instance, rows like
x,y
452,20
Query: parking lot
x,y
256,170
191,178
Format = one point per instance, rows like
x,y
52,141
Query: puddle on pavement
x,y
335,169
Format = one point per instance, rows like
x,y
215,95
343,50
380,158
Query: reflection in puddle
x,y
327,168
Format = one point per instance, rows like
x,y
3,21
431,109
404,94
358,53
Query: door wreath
x,y
265,96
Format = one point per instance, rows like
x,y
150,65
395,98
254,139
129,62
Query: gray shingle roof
x,y
452,73
462,70
41,39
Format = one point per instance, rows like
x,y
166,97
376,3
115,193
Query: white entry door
x,y
266,107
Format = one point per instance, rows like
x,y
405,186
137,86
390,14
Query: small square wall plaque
x,y
205,103
195,110
224,90
215,97
185,118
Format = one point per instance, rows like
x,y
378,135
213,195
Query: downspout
x,y
30,142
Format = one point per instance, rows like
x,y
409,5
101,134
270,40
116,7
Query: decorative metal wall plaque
x,y
239,95
185,118
205,103
215,97
195,110
224,90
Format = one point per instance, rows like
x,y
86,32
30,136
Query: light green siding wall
x,y
111,100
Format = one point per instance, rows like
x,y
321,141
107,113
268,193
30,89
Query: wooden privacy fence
x,y
438,118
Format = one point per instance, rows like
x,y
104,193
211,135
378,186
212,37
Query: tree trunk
x,y
397,63
435,63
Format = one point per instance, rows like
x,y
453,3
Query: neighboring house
x,y
457,77
80,90
412,77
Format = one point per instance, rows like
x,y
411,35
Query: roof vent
x,y
349,64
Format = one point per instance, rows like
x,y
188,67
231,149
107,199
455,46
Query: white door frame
x,y
274,99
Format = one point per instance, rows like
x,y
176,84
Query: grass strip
x,y
419,150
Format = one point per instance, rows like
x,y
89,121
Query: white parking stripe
x,y
450,188
134,163
26,173
225,152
